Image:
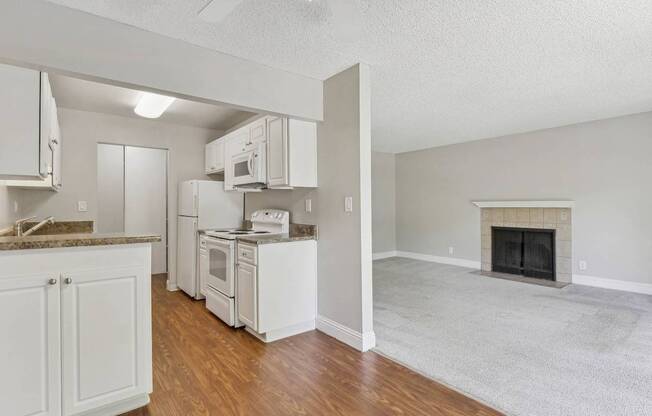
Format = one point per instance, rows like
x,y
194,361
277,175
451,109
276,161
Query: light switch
x,y
348,204
15,206
308,205
82,206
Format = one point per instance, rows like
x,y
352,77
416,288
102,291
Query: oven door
x,y
220,266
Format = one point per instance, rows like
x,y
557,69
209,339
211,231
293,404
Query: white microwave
x,y
248,168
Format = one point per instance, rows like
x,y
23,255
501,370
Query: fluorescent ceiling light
x,y
152,105
217,10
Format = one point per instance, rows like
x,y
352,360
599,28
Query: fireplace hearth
x,y
523,251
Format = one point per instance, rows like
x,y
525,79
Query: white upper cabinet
x,y
215,156
257,131
31,139
20,141
291,153
55,144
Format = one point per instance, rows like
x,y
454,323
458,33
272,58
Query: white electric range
x,y
217,261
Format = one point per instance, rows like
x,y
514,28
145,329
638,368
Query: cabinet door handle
x,y
52,282
67,280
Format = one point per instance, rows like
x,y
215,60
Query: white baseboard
x,y
275,335
636,287
359,341
171,287
120,407
384,255
440,259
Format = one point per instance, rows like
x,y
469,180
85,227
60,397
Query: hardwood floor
x,y
203,367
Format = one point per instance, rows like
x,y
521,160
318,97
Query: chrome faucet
x,y
19,226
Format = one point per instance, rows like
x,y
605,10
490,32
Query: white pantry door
x,y
146,198
30,364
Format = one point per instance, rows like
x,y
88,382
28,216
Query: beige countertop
x,y
74,240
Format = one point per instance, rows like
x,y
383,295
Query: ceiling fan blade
x,y
216,10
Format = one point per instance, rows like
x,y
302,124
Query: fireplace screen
x,y
527,252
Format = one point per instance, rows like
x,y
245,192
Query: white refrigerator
x,y
202,205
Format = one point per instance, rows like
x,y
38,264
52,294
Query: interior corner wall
x,y
604,166
344,245
383,191
82,130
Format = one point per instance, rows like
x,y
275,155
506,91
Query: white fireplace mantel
x,y
524,204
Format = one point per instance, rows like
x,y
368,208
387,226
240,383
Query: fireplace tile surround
x,y
558,219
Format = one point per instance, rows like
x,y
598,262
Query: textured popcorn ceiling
x,y
442,71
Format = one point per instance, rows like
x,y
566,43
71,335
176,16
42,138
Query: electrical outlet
x,y
82,206
451,250
583,265
348,204
308,205
15,206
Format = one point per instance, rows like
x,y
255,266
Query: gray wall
x,y
81,131
383,192
343,156
604,166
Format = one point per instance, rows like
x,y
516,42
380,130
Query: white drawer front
x,y
247,253
222,306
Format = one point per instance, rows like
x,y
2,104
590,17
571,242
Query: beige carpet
x,y
524,349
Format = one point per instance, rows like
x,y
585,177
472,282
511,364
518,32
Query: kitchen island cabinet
x,y
77,329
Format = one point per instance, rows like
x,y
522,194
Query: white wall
x,y
604,166
344,246
53,37
383,191
81,131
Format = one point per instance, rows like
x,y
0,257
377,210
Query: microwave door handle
x,y
250,164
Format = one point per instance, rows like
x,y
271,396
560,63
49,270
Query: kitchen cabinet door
x,y
208,158
277,153
19,118
257,131
218,155
30,346
215,156
104,339
47,126
56,146
247,295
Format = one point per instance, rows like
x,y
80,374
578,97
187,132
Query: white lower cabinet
x,y
276,288
102,315
247,295
76,337
30,375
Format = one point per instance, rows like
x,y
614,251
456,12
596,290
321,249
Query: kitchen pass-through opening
x,y
527,252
